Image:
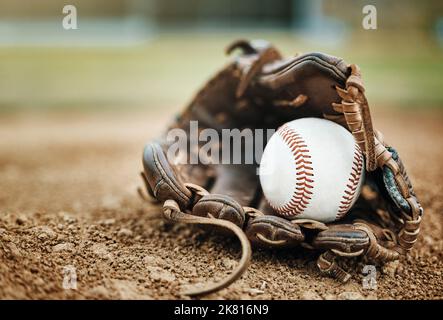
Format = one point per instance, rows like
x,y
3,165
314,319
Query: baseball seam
x,y
353,182
304,173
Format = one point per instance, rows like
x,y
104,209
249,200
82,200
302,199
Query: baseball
x,y
312,169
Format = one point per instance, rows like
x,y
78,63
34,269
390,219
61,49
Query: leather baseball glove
x,y
260,89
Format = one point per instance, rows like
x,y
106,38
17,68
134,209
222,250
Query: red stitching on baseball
x,y
354,179
304,173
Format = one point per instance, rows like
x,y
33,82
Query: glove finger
x,y
312,76
272,231
164,181
344,238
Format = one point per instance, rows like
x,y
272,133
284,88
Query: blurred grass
x,y
400,70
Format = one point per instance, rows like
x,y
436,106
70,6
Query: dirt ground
x,y
68,206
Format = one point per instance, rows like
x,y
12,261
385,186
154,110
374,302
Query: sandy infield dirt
x,y
68,200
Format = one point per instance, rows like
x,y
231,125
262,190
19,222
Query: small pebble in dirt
x,y
311,295
157,273
45,232
329,296
71,228
400,270
39,282
263,285
67,217
99,292
33,270
107,222
390,268
349,295
42,236
21,220
101,250
65,246
253,291
228,263
15,252
124,233
153,260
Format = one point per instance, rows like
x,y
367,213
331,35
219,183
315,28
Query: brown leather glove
x,y
262,90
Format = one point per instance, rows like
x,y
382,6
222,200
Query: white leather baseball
x,y
312,168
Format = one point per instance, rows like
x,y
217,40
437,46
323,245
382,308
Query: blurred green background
x,y
153,54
